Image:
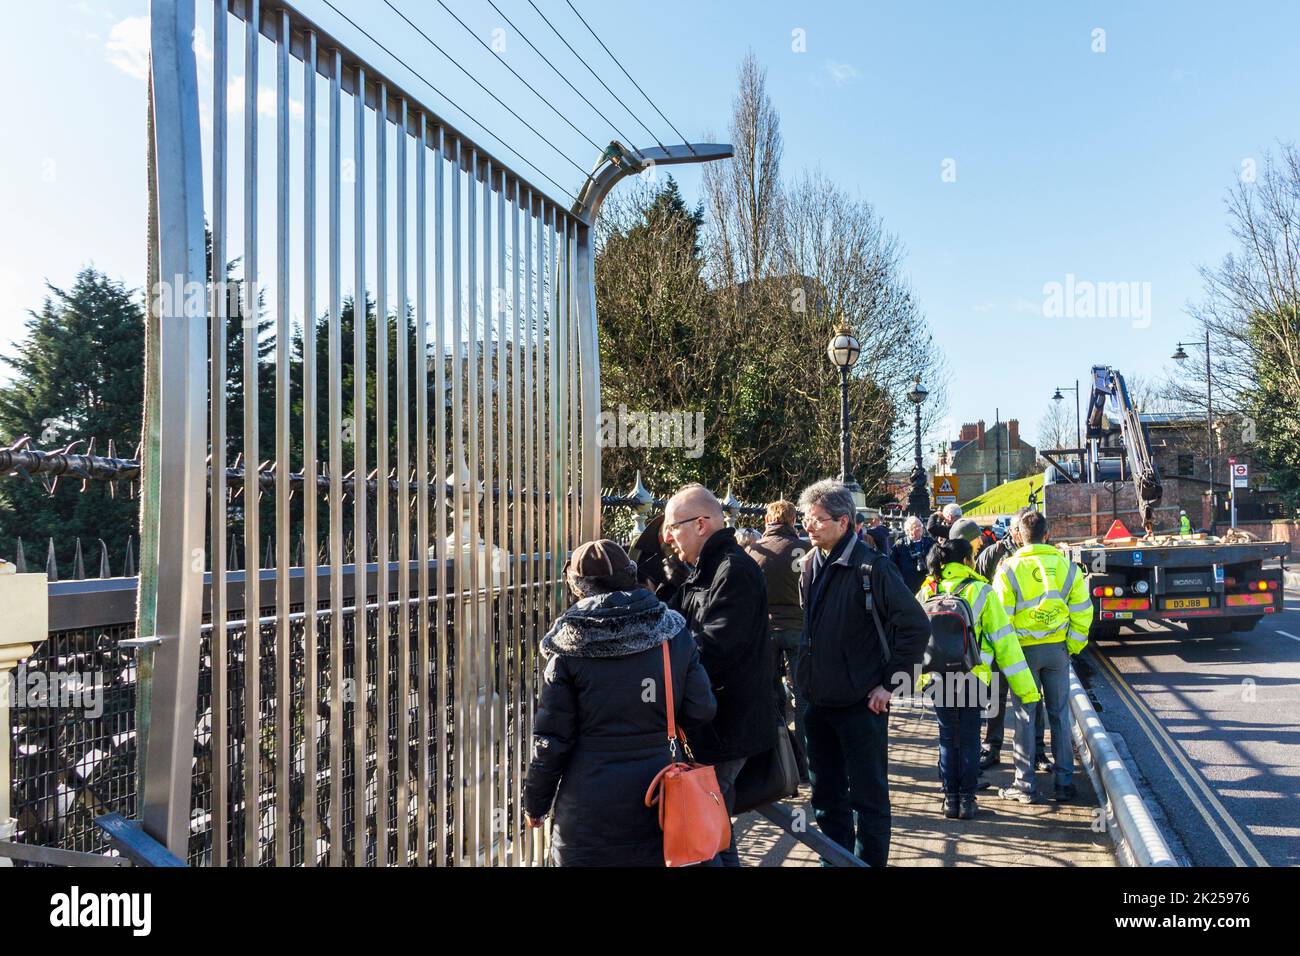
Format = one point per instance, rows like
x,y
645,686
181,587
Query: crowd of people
x,y
811,635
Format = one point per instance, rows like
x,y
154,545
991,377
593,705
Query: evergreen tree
x,y
77,374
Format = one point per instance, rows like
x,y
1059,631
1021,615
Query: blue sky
x,y
1108,166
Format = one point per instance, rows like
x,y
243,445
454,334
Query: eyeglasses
x,y
670,528
813,521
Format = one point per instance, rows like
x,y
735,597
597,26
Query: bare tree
x,y
1251,311
1056,428
744,196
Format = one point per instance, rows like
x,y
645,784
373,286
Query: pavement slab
x,y
1003,833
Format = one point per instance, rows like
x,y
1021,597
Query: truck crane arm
x,y
1108,383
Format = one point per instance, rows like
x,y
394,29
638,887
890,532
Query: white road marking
x,y
1285,634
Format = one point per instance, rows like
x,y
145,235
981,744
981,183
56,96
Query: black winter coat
x,y
600,733
987,561
841,660
909,556
724,601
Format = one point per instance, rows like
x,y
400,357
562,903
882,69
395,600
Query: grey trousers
x,y
1050,665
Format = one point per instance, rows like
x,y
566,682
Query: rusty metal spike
x,y
51,563
104,570
128,567
78,564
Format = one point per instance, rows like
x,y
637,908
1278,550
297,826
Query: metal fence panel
x,y
371,689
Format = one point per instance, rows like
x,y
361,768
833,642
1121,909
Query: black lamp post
x,y
1078,428
918,499
1181,356
843,350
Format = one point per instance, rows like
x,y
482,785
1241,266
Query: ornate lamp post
x,y
843,350
1180,356
1078,427
918,499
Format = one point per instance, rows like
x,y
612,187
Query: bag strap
x,y
866,569
674,732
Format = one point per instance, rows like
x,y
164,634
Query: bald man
x,y
724,600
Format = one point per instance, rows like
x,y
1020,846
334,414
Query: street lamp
x,y
1180,356
918,500
1078,428
843,350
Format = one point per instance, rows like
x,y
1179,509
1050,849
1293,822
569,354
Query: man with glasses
x,y
850,595
724,600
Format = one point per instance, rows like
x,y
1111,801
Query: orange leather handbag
x,y
692,813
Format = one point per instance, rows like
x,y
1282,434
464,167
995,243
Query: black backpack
x,y
954,647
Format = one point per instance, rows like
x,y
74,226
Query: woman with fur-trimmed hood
x,y
600,734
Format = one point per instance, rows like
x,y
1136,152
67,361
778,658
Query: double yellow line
x,y
1183,770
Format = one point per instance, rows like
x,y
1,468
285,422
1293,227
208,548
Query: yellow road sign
x,y
945,489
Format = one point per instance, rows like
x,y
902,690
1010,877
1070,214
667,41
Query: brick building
x,y
982,458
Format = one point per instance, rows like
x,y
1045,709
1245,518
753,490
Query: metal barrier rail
x,y
1138,840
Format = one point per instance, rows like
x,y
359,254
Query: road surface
x,y
1212,726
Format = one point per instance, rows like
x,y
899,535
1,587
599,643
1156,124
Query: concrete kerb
x,y
1138,840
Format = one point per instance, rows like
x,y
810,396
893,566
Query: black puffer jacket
x,y
601,729
841,660
724,601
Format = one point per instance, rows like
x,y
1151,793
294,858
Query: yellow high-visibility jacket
x,y
1046,596
997,636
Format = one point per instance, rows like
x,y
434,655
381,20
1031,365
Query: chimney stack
x,y
1013,434
968,432
979,434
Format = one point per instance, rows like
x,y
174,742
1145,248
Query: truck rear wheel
x,y
1245,623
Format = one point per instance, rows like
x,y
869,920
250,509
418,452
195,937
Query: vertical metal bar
x,y
575,388
403,508
504,617
589,357
422,488
381,470
220,302
283,703
487,766
441,777
564,483
517,634
311,690
334,437
461,702
533,473
252,456
361,556
171,565
475,689
558,432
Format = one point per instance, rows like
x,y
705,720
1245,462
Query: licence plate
x,y
1179,604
